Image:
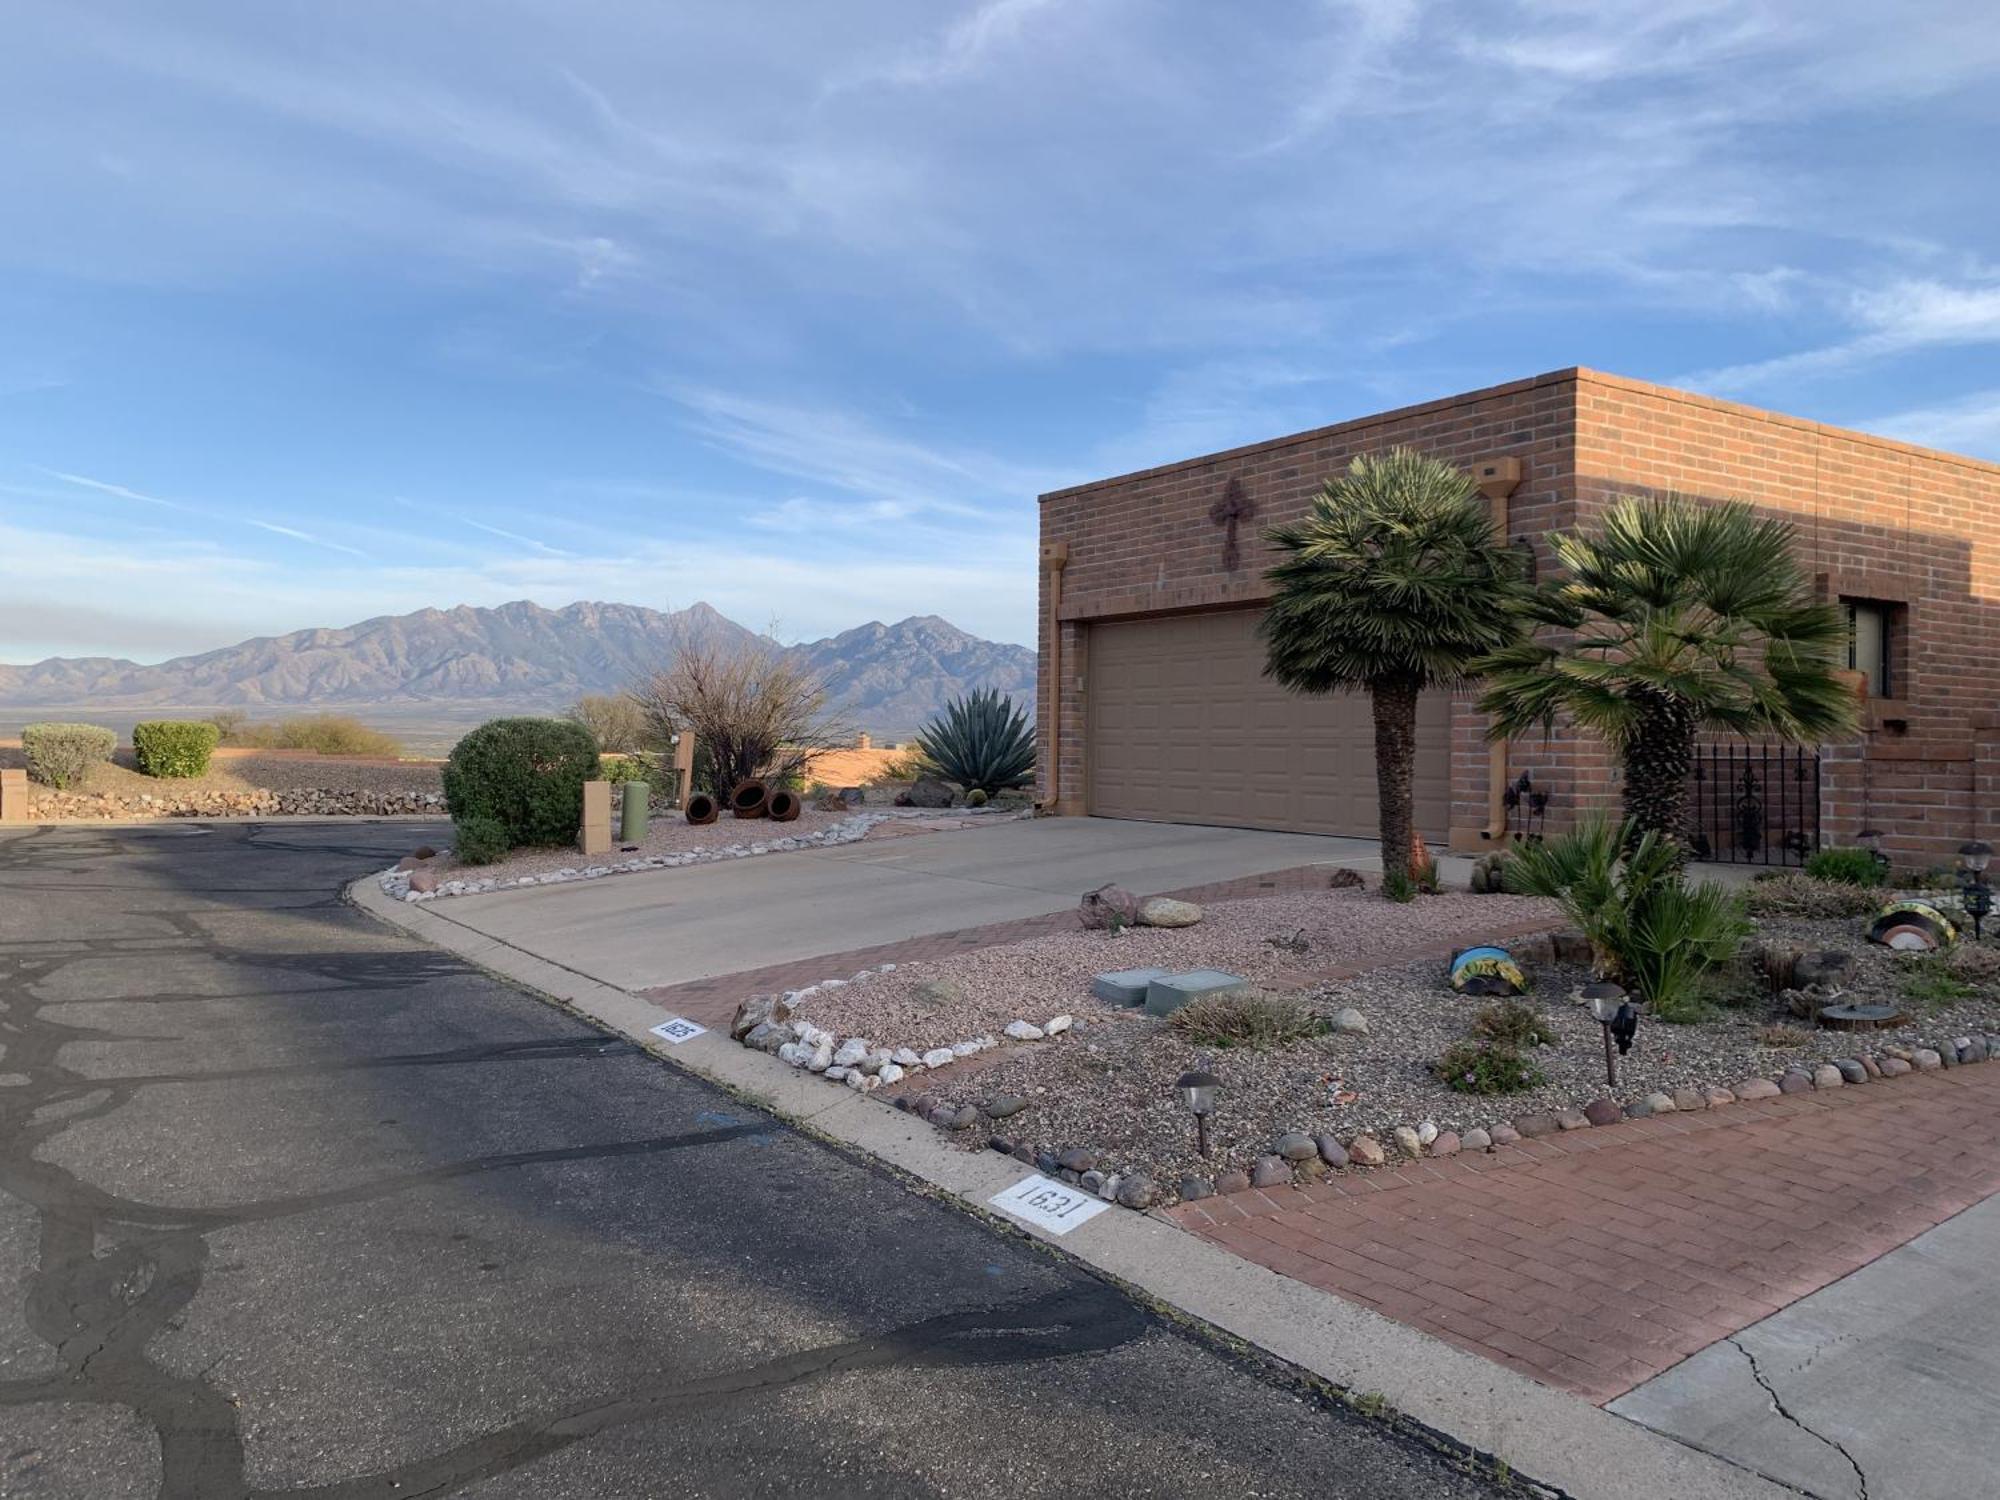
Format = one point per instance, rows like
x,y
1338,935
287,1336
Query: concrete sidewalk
x,y
671,926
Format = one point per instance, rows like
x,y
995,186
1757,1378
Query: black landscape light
x,y
1616,1014
1973,858
1871,840
1198,1090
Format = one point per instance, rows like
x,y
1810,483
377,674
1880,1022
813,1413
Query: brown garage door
x,y
1184,727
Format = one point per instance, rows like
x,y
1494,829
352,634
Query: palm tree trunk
x,y
1658,759
1395,704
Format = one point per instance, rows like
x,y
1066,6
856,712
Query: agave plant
x,y
983,742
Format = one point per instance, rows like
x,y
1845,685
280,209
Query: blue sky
x,y
311,312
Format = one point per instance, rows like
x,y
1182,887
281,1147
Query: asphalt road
x,y
293,1205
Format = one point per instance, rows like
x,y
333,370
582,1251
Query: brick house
x,y
1152,703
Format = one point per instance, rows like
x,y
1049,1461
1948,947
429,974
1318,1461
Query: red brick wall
x,y
1877,519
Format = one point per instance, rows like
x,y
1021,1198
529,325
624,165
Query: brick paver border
x,y
1595,1259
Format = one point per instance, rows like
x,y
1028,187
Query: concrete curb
x,y
1542,1434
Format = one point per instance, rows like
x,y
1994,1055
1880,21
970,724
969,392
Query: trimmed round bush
x,y
61,755
527,775
478,840
174,747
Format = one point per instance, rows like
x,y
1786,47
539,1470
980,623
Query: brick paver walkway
x,y
713,1001
1595,1259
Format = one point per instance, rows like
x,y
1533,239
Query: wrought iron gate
x,y
1754,804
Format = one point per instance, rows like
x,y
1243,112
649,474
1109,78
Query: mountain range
x,y
887,679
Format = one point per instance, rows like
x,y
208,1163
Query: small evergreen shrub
x,y
527,775
1513,1024
1250,1019
1484,1068
176,748
1848,866
478,840
61,755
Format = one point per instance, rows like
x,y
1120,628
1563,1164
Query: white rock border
x,y
396,883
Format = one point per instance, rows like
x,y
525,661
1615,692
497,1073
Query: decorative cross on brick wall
x,y
1233,507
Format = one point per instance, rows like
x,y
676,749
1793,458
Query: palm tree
x,y
1391,584
1675,617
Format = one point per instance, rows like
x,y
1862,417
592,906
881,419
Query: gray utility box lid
x,y
1171,991
1125,986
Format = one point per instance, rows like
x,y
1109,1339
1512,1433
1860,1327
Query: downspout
x,y
1055,557
1497,479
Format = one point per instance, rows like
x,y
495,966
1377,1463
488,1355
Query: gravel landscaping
x,y
670,843
1096,1103
238,785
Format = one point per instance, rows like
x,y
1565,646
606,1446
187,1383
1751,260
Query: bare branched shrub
x,y
617,721
752,713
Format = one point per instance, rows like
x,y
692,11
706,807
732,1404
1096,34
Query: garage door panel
x,y
1182,726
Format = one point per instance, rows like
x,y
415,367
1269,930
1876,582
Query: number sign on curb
x,y
678,1030
1054,1206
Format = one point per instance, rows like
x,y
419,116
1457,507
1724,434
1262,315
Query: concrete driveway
x,y
670,926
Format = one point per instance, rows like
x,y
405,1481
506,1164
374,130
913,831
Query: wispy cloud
x,y
1902,316
104,487
303,536
1970,424
209,513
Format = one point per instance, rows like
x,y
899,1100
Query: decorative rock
x,y
1076,1159
927,791
1045,1163
1795,1082
1193,1189
1756,1088
1663,1104
1164,911
1689,1099
1331,1151
1138,1191
1349,1022
1639,1109
939,994
1001,1144
1023,1031
1476,1140
938,1057
1427,1132
1851,1070
798,1054
1109,906
1269,1171
1947,1055
1091,1182
1296,1146
1407,1142
1107,1189
1504,1134
965,1118
1828,968
1024,1155
909,1057
1894,1050
1872,1066
1446,1144
822,1057
1894,1067
1005,1105
851,1052
1572,947
1057,1025
1309,1170
1232,1182
1366,1151
836,1074
1570,1119
1827,1076
889,1074
1972,1050
1718,1097
1603,1112
766,1036
1534,1126
425,881
1926,1060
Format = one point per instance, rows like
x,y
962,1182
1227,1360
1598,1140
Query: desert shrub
x,y
525,774
61,755
1929,980
1795,894
615,720
1252,1018
1650,929
1848,866
173,747
982,740
977,797
1974,964
1473,1067
323,734
751,711
229,723
1780,1035
478,840
1512,1023
620,769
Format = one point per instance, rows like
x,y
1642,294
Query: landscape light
x,y
1198,1090
1973,858
1613,1010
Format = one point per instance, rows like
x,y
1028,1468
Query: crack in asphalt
x,y
111,1272
1778,1405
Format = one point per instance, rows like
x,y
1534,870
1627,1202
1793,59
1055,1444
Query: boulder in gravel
x,y
1345,879
938,994
1756,1088
1296,1146
1194,1189
1077,1159
1165,911
1057,1025
1894,1067
1533,1126
1349,1022
1504,1134
890,1073
1407,1142
1925,1059
798,1054
1827,1076
851,1052
1718,1097
928,791
1427,1132
1972,1050
1446,1144
1851,1070
1138,1191
1270,1171
1232,1182
1572,1119
1366,1151
425,880
1795,1081
1004,1106
1331,1151
1690,1100
1603,1112
1024,1031
767,1036
964,1117
939,1057
1476,1139
1639,1109
1108,906
1663,1104
1829,968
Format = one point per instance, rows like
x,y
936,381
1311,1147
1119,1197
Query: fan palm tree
x,y
1675,617
1392,583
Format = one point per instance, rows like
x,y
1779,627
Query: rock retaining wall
x,y
50,806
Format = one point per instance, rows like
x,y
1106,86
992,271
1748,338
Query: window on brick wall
x,y
1872,626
